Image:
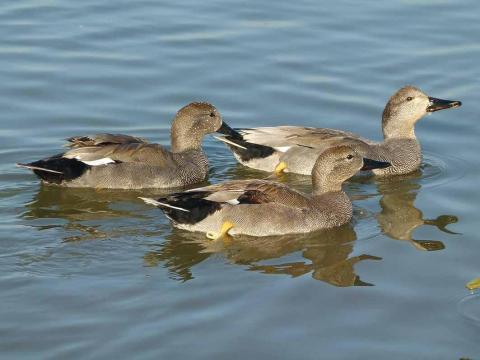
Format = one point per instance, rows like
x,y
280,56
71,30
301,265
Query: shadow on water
x,y
324,254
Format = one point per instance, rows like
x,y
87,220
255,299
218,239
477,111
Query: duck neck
x,y
405,155
322,185
394,126
397,130
335,206
184,139
186,158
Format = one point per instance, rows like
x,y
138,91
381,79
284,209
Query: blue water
x,y
98,274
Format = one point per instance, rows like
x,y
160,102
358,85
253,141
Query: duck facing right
x,y
295,149
269,208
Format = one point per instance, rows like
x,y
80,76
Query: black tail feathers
x,y
57,169
250,150
198,207
246,150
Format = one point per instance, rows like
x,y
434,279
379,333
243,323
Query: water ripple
x,y
469,308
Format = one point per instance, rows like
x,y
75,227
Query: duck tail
x,y
56,169
244,150
161,204
233,138
186,207
32,167
229,142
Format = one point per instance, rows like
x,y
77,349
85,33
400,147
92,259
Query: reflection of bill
x,y
325,254
399,217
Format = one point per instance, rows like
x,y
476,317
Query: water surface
x,y
97,274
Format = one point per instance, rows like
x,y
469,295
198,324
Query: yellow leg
x,y
226,226
280,168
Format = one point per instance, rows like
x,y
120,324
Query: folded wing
x,y
103,149
253,192
284,137
193,206
98,150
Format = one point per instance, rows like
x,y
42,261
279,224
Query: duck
x,y
295,149
117,161
269,208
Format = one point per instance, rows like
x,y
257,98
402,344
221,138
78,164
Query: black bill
x,y
440,104
227,130
369,164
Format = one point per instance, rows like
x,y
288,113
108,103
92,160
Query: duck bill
x,y
369,164
440,104
227,130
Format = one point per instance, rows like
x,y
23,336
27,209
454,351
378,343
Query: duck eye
x,y
409,98
350,157
212,114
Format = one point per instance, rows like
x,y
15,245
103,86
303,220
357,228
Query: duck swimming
x,y
264,208
296,148
126,162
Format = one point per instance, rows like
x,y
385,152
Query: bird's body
x,y
127,162
266,208
299,148
264,147
262,208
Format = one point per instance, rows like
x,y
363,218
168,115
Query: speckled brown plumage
x,y
128,162
263,208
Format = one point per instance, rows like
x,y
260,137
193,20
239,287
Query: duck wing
x,y
103,149
103,140
247,192
284,137
192,206
152,154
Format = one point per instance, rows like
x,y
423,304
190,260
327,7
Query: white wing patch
x,y
102,161
282,148
233,202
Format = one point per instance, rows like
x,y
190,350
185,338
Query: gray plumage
x,y
127,162
299,147
264,208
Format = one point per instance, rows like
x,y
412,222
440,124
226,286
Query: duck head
x,y
406,107
192,123
337,164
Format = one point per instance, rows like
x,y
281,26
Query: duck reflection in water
x,y
399,218
80,212
324,254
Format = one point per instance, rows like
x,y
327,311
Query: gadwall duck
x,y
264,208
297,148
127,162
